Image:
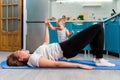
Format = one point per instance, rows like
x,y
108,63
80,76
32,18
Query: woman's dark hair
x,y
12,60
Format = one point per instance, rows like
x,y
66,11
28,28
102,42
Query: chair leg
x,y
85,53
107,54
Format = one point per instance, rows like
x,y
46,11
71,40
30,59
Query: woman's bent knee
x,y
98,27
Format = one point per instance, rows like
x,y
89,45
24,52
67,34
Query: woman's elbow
x,y
57,64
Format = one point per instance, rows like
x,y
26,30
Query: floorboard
x,y
59,74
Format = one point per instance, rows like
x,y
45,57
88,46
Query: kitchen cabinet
x,y
112,35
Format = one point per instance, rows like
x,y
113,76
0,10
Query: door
x,y
10,25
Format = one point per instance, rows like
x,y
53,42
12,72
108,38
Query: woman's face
x,y
22,54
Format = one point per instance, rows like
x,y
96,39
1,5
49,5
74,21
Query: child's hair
x,y
60,20
12,60
64,17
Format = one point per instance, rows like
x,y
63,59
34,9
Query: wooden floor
x,y
58,74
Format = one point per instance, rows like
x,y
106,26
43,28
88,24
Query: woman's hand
x,y
46,20
85,66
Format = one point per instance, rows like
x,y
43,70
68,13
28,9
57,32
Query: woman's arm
x,y
43,62
46,36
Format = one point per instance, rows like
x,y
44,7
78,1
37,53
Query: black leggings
x,y
93,35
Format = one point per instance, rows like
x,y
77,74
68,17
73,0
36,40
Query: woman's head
x,y
18,58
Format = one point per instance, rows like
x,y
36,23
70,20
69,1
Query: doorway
x,y
11,25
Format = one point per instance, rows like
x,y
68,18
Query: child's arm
x,y
52,27
69,33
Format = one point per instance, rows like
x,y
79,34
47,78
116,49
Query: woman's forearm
x,y
72,65
66,64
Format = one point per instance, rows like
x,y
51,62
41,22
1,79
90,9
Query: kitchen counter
x,y
90,20
80,21
111,17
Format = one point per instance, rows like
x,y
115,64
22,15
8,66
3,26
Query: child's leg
x,y
46,37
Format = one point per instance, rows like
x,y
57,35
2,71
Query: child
x,y
63,33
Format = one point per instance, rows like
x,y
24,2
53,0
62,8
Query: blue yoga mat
x,y
87,62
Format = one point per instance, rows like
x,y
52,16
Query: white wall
x,y
74,9
118,6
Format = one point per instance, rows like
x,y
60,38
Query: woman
x,y
47,55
